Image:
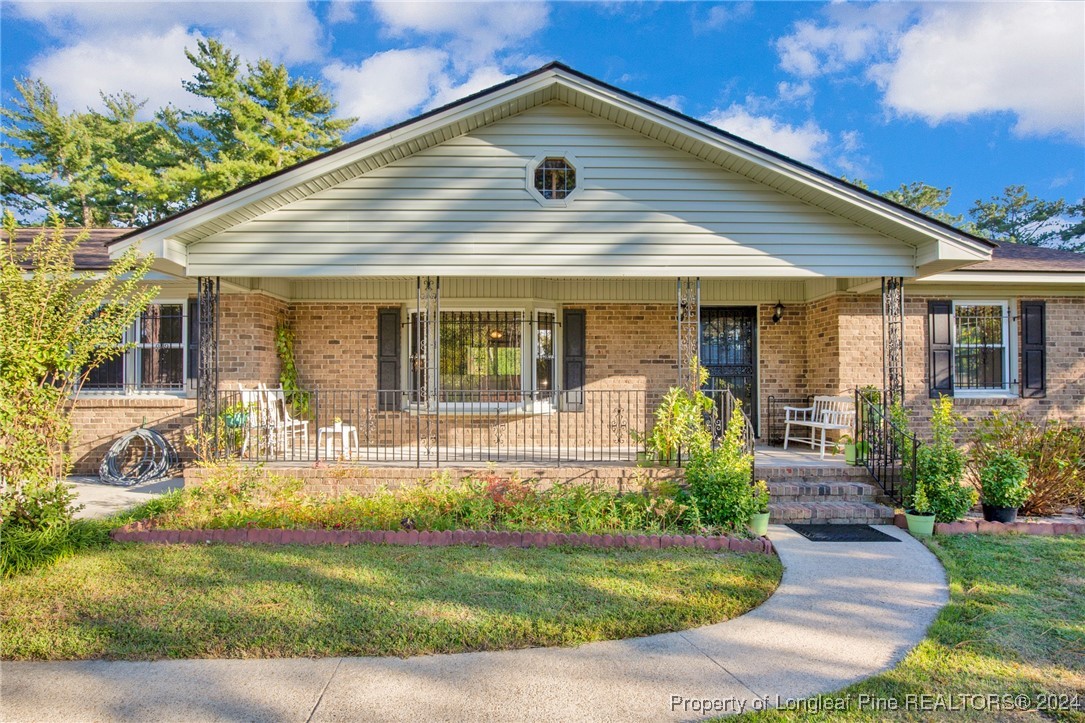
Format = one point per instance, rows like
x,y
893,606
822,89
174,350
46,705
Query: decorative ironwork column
x,y
689,330
893,339
207,353
426,342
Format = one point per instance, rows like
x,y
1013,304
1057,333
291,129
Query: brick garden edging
x,y
981,527
142,532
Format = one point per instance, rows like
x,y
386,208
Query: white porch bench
x,y
827,414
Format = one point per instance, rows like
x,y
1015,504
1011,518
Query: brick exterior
x,y
631,346
247,340
99,421
335,345
828,346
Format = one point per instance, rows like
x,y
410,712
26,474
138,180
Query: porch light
x,y
496,334
778,312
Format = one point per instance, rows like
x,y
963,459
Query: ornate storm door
x,y
729,352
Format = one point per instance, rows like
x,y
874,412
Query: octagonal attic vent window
x,y
553,178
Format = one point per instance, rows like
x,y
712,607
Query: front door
x,y
729,352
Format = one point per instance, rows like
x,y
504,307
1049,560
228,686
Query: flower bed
x,y
144,532
247,498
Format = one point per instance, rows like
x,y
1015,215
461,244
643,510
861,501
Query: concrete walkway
x,y
101,500
843,612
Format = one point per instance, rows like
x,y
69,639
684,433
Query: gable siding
x,y
462,209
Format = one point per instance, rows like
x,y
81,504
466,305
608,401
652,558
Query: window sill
x,y
481,408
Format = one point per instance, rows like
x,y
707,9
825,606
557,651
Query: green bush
x,y
939,474
1004,480
719,479
1054,451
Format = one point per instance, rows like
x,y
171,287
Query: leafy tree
x,y
66,159
927,199
1019,217
105,167
57,325
262,121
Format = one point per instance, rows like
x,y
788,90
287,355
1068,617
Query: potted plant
x,y
919,512
937,489
1003,486
849,448
759,521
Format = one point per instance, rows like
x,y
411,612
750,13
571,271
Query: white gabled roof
x,y
938,247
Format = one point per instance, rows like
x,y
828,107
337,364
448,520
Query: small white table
x,y
346,434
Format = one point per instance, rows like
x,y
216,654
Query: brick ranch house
x,y
517,277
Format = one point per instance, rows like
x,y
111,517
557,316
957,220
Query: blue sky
x,y
971,95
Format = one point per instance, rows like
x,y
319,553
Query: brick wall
x,y
100,421
631,346
336,344
247,340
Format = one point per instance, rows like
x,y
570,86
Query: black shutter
x,y
193,341
1033,354
574,352
388,357
940,346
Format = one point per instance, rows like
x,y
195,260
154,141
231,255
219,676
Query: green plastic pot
x,y
849,453
759,523
920,525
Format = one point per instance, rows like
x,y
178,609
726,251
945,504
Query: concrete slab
x,y
102,500
844,611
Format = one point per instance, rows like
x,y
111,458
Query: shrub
x,y
235,496
1053,450
719,479
939,470
1004,480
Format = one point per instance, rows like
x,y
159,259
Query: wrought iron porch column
x,y
427,346
893,339
689,330
207,354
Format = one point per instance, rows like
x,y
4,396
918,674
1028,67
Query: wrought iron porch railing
x,y
887,450
369,426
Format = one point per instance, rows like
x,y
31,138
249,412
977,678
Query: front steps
x,y
833,495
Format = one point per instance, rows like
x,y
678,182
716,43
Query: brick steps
x,y
832,495
838,491
830,513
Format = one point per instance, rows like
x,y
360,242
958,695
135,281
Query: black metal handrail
x,y
725,404
881,445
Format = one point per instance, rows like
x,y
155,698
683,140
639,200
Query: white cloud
x,y
481,79
720,16
385,87
950,61
149,66
968,59
807,143
671,101
794,92
139,46
475,30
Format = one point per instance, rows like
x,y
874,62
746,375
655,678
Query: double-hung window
x,y
156,358
981,347
986,348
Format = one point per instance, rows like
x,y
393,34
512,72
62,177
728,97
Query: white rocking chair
x,y
284,430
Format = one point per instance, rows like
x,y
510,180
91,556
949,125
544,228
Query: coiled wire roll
x,y
140,456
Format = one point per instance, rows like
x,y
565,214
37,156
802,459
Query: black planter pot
x,y
999,514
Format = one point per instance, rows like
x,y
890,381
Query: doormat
x,y
842,533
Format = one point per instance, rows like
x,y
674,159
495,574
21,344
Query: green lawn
x,y
138,601
1014,625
